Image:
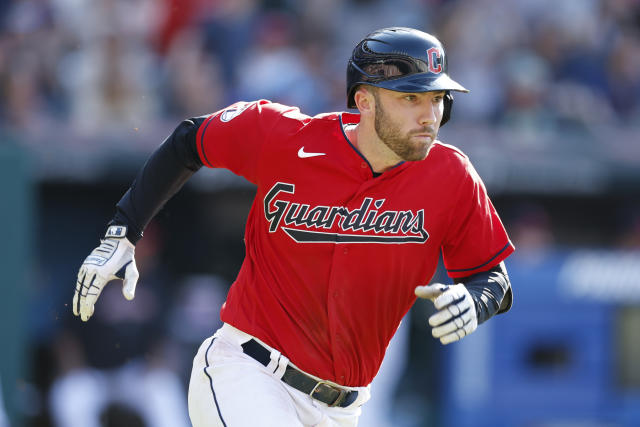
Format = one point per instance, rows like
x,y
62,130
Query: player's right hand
x,y
113,259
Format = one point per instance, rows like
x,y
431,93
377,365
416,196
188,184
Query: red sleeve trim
x,y
503,253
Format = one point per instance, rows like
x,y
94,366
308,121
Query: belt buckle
x,y
325,384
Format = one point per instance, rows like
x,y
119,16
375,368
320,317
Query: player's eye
x,y
438,98
411,98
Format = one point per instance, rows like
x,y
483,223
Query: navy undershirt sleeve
x,y
491,292
163,175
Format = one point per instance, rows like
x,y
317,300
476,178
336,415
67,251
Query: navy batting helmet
x,y
403,60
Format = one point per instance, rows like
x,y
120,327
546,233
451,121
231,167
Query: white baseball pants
x,y
229,388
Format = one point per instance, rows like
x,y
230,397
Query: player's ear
x,y
364,99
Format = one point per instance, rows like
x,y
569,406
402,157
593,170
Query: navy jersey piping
x,y
374,173
204,154
353,146
482,265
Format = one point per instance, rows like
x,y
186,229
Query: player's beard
x,y
401,144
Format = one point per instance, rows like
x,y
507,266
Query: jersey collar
x,y
351,118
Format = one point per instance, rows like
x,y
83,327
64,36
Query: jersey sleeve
x,y
233,138
476,239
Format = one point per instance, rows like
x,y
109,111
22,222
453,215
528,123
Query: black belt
x,y
319,390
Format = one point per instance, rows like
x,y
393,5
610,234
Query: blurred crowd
x,y
79,68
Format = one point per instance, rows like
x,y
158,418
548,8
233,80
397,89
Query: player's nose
x,y
428,114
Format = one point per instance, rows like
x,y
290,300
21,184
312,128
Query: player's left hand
x,y
456,316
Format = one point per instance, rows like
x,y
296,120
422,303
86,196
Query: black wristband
x,y
488,290
133,235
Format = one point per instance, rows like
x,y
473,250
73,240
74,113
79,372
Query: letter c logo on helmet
x,y
434,56
403,60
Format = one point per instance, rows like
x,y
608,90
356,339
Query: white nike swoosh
x,y
303,155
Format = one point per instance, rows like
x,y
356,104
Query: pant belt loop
x,y
283,362
275,359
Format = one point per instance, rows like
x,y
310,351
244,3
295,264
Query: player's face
x,y
408,123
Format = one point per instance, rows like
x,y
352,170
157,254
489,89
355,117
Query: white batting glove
x,y
113,259
456,316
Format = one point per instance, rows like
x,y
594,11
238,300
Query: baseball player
x,y
350,216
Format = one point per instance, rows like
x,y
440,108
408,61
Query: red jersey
x,y
334,253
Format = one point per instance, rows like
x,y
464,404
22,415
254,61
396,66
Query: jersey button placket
x,y
338,287
365,170
335,300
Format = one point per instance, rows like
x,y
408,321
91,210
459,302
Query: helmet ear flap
x,y
448,104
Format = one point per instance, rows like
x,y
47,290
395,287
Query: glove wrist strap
x,y
116,232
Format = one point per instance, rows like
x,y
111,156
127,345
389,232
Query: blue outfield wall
x,y
551,360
